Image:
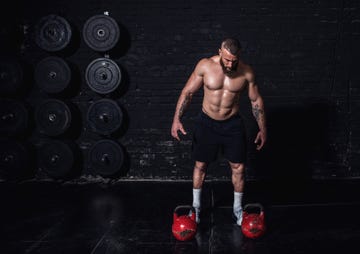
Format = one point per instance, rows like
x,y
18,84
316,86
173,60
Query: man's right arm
x,y
193,84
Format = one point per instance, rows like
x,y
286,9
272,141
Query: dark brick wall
x,y
304,54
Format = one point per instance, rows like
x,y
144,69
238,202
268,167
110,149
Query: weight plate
x,y
52,74
104,116
14,117
14,158
56,158
103,75
106,157
101,33
52,33
53,117
11,76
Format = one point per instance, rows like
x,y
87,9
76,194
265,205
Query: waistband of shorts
x,y
203,115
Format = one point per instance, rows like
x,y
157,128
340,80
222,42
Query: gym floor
x,y
136,217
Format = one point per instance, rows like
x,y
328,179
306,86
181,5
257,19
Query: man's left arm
x,y
257,105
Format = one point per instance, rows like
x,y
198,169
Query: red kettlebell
x,y
253,224
184,226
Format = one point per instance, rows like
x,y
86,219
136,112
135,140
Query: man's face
x,y
228,61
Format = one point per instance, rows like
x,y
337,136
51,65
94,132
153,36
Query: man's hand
x,y
177,126
260,140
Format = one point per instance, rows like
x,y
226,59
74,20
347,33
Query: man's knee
x,y
237,168
200,167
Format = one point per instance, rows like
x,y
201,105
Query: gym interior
x,y
88,94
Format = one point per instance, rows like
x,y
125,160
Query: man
x,y
223,78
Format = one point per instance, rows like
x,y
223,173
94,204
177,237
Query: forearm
x,y
259,113
182,105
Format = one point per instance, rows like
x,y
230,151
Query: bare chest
x,y
219,81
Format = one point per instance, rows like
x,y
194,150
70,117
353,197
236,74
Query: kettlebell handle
x,y
256,205
184,207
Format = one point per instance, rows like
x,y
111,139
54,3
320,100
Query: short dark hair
x,y
232,45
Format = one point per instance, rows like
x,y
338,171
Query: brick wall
x,y
304,54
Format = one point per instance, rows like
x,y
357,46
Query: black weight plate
x,y
14,158
104,116
106,157
11,76
52,33
101,33
52,74
103,75
56,158
14,117
53,117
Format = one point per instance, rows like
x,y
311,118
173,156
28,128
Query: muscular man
x,y
223,77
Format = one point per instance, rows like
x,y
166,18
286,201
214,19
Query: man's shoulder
x,y
246,67
207,62
248,72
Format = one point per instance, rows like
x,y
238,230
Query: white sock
x,y
197,203
237,202
196,198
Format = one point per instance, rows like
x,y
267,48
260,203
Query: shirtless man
x,y
223,77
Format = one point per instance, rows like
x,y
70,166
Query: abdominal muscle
x,y
220,104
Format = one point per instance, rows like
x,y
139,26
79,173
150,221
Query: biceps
x,y
193,84
253,92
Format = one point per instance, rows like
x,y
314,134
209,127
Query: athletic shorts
x,y
213,136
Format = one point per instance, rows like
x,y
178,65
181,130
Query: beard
x,y
228,71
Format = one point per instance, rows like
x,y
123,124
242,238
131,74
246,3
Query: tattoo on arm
x,y
257,112
184,105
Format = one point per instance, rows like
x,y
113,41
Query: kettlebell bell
x,y
184,226
253,224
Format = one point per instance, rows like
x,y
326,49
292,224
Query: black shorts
x,y
211,135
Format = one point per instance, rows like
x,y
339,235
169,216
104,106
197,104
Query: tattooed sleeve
x,y
184,105
257,112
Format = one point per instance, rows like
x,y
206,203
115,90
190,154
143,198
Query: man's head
x,y
229,55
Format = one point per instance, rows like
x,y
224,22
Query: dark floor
x,y
136,217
